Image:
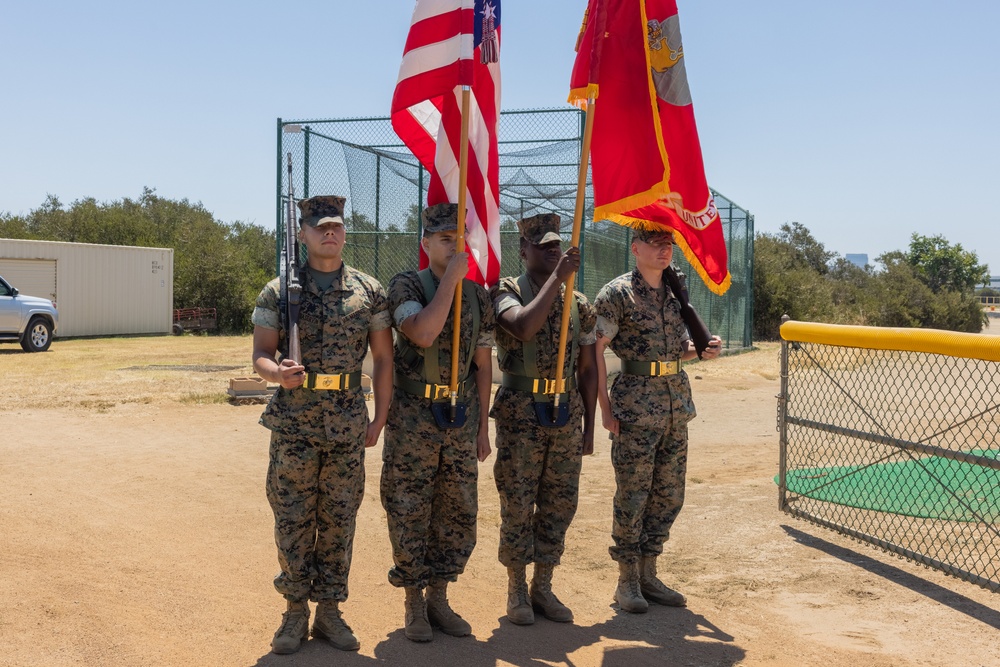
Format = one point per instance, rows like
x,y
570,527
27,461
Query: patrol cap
x,y
440,218
661,234
322,210
539,229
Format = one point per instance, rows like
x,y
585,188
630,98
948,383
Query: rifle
x,y
699,332
291,287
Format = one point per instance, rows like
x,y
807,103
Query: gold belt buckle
x,y
331,382
665,367
548,386
437,391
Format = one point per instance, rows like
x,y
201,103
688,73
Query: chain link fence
x,y
893,438
364,160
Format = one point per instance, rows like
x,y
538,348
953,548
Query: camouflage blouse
x,y
406,298
506,294
641,326
511,406
333,334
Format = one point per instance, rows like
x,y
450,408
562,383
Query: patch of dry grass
x,y
761,362
98,374
204,399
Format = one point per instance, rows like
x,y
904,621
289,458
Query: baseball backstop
x,y
364,160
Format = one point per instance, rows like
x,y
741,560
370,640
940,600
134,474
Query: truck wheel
x,y
38,336
178,330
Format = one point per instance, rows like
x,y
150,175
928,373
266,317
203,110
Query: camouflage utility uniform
x,y
316,475
429,474
650,453
537,468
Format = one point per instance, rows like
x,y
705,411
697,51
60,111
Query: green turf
x,y
927,487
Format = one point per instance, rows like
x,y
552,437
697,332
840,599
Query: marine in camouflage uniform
x,y
537,468
429,473
316,476
648,410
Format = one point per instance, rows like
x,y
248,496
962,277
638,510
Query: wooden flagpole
x,y
463,174
581,192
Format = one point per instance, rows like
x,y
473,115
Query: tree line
x,y
932,285
223,265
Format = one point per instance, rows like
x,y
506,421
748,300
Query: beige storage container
x,y
99,290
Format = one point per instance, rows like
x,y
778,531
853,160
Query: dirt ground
x,y
136,532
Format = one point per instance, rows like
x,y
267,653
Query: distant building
x,y
859,260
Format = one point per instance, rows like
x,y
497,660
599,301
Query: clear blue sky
x,y
864,121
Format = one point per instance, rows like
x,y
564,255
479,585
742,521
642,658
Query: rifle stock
x,y
700,334
291,287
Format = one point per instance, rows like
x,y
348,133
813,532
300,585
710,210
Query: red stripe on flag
x,y
437,29
413,91
421,144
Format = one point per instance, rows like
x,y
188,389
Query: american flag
x,y
455,43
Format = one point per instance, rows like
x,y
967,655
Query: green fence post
x,y
729,301
627,248
748,327
277,225
420,200
305,166
378,193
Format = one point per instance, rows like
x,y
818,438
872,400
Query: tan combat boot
x,y
653,589
417,628
329,625
542,597
294,628
440,613
518,604
627,595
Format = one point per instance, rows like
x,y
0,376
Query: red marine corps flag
x,y
646,160
451,44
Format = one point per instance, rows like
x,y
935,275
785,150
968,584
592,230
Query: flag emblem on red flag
x,y
646,160
455,43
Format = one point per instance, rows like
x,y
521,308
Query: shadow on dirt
x,y
662,636
939,594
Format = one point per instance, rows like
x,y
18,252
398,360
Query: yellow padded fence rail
x,y
931,341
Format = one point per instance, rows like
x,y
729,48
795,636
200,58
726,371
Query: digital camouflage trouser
x,y
315,488
537,473
649,472
428,489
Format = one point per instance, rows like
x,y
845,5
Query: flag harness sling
x,y
525,375
429,388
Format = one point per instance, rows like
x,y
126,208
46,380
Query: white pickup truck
x,y
26,319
